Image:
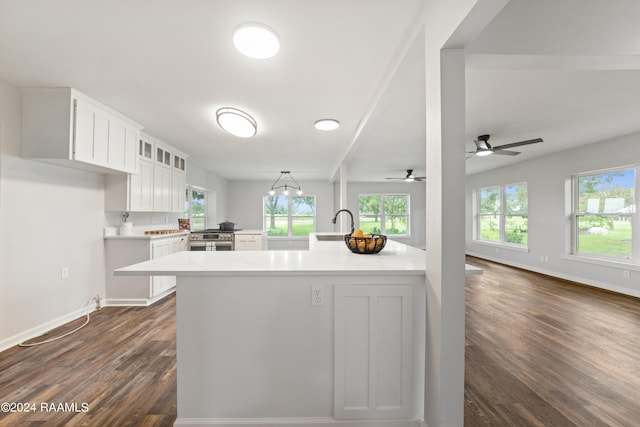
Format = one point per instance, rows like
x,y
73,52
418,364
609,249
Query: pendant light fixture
x,y
236,122
284,175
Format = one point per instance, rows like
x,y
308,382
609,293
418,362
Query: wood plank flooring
x,y
545,352
539,352
122,365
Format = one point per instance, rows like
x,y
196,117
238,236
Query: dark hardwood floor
x,y
122,366
545,352
539,352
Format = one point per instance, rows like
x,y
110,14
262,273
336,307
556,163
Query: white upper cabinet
x,y
64,126
159,185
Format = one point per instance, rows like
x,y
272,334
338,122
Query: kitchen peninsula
x,y
313,337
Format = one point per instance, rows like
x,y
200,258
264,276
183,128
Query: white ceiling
x,y
563,70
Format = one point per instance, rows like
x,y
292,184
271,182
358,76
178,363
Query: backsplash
x,y
143,221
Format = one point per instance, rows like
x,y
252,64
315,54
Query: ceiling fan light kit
x,y
409,177
483,148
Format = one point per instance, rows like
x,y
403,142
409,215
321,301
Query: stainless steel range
x,y
212,239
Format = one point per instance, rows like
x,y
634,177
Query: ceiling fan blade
x,y
518,144
506,152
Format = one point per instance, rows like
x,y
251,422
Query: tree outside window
x,y
195,208
604,207
502,214
384,214
289,215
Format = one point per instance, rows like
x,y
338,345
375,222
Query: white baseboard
x,y
292,422
569,277
45,327
137,302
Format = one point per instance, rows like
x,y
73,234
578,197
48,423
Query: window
x,y
195,208
289,215
502,214
384,214
604,208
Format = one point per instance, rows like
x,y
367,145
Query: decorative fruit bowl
x,y
365,244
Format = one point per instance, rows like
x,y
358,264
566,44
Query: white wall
x,y
218,188
549,221
50,217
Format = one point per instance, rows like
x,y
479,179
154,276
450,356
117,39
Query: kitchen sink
x,y
330,237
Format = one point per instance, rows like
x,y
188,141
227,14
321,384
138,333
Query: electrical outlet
x,y
317,296
625,274
64,273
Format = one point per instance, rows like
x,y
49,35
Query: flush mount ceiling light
x,y
236,122
256,40
327,124
286,187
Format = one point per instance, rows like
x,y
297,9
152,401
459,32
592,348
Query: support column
x,y
444,365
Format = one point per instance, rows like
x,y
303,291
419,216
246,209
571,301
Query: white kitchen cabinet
x,y
141,188
159,185
160,248
250,240
64,126
161,188
143,290
178,181
373,350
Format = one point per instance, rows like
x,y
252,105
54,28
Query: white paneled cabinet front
x,y
250,240
142,290
373,352
141,188
161,248
161,189
159,185
62,124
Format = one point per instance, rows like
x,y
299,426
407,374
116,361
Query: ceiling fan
x,y
483,148
410,177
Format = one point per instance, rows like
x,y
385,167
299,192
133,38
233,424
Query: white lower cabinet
x,y
249,240
131,290
373,350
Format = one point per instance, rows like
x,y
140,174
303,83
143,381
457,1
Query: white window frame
x,y
501,214
634,259
383,214
290,217
189,202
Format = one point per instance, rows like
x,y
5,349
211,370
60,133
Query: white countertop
x,y
322,257
326,257
249,232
